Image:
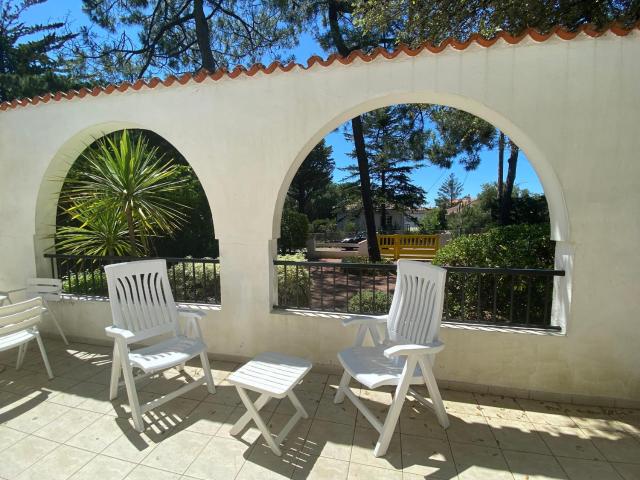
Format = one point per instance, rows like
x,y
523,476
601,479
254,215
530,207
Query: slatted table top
x,y
272,373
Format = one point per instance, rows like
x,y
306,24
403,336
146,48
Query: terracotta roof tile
x,y
202,75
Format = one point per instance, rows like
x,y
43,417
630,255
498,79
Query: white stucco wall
x,y
572,106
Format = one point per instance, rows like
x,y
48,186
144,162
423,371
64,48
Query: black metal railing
x,y
490,296
195,280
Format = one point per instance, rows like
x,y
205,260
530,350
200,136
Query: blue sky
x,y
429,177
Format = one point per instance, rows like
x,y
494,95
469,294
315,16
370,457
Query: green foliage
x,y
122,173
367,260
449,191
324,225
369,302
31,61
433,221
294,230
470,219
526,207
514,246
312,179
293,284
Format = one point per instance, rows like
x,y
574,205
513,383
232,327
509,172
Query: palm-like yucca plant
x,y
123,174
101,233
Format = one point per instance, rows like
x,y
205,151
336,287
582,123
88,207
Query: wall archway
x,y
58,167
559,218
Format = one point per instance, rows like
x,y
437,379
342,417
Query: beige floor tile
x,y
9,436
77,394
176,453
533,466
101,433
250,433
133,446
366,472
296,438
67,425
262,464
470,429
580,469
38,416
548,413
416,419
364,442
344,412
100,403
23,454
497,406
169,416
628,471
460,402
479,463
103,468
60,464
616,446
310,467
428,457
221,459
142,472
329,439
413,476
516,435
309,399
569,442
207,418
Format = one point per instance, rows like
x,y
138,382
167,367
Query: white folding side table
x,y
273,375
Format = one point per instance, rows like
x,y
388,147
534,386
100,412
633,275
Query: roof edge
x,y
314,60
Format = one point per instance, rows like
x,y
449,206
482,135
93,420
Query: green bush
x,y
294,230
369,302
483,297
294,284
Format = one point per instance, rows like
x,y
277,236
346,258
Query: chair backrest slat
x,y
49,289
416,310
19,316
140,297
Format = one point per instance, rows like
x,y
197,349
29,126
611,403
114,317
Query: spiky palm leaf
x,y
124,173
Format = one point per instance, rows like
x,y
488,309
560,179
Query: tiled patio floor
x,y
66,428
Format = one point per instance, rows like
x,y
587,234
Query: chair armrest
x,y
405,350
115,332
365,320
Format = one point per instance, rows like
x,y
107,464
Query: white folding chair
x,y
18,326
143,308
404,355
50,290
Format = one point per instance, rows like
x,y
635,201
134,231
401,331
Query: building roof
x,y
315,61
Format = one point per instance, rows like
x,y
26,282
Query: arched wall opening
x,y
559,227
65,227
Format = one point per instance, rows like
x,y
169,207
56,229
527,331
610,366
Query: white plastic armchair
x,y
50,290
18,326
402,355
143,308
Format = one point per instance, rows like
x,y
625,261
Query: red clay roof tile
x,y
202,75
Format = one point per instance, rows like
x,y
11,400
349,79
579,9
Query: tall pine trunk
x,y
203,36
500,166
358,140
507,201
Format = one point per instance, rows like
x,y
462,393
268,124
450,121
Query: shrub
x,y
471,297
293,283
366,271
370,302
294,230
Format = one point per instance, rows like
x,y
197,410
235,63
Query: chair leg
x,y
211,386
22,351
45,359
130,383
116,368
255,415
395,409
434,392
55,321
344,384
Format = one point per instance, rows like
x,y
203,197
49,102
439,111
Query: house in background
x,y
398,221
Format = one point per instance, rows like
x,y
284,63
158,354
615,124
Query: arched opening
x,y
130,194
509,260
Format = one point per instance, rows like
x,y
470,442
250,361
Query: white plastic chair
x,y
18,326
406,353
142,308
50,290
